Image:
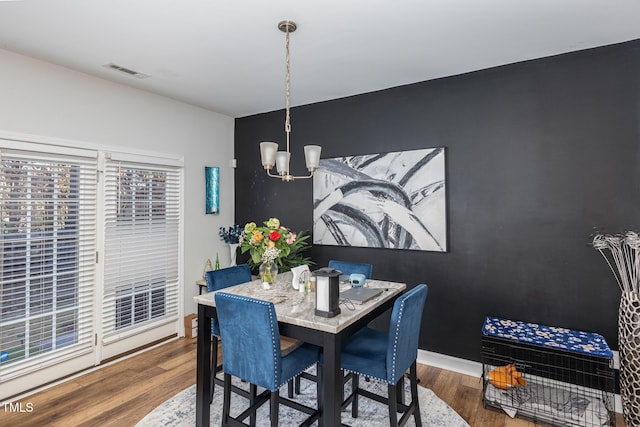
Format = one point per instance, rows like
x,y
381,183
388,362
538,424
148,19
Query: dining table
x,y
296,316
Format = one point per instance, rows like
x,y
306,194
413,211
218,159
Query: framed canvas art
x,y
392,200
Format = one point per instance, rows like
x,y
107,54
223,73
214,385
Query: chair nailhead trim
x,y
395,342
369,376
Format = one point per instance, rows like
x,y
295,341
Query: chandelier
x,y
269,153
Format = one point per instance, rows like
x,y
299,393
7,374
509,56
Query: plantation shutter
x,y
47,255
142,226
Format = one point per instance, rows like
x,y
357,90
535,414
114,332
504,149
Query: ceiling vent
x,y
125,70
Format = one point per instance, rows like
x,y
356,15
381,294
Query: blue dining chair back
x,y
249,330
251,347
388,356
229,276
404,332
348,267
216,280
224,278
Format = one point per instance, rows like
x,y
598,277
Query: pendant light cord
x,y
287,121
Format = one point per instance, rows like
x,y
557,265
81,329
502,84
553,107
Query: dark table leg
x,y
331,398
203,368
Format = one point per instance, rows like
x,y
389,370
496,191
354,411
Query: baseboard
x,y
474,369
450,363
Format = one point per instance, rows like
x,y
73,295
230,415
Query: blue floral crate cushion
x,y
547,336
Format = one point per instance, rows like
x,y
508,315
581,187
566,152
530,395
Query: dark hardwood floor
x,y
123,393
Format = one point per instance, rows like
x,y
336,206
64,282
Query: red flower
x,y
274,235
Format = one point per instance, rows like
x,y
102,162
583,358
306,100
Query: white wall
x,y
38,98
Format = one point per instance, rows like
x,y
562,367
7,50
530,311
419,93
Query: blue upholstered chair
x,y
348,267
258,360
387,356
216,280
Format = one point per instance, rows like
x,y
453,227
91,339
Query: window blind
x,y
47,257
141,265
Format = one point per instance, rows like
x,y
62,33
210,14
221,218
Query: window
x,y
142,245
140,303
47,250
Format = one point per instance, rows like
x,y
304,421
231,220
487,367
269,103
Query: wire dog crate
x,y
547,374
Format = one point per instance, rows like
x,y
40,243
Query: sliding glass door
x,y
47,259
141,268
90,253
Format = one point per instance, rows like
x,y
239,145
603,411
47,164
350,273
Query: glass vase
x,y
268,272
232,253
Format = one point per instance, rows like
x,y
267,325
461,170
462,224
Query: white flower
x,y
270,254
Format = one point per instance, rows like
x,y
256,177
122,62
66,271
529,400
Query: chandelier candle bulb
x,y
268,154
312,156
282,162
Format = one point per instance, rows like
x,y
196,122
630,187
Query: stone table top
x,y
298,308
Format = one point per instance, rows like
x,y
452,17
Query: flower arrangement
x,y
624,253
230,235
273,242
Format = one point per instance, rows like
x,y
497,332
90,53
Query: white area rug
x,y
180,409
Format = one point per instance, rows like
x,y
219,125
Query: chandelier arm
x,y
288,177
272,175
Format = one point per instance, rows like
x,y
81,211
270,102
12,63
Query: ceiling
x,y
228,55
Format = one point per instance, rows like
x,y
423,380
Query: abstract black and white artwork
x,y
392,200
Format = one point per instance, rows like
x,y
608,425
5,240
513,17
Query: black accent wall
x,y
540,156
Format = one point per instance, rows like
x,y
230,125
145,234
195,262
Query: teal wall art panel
x,y
212,184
